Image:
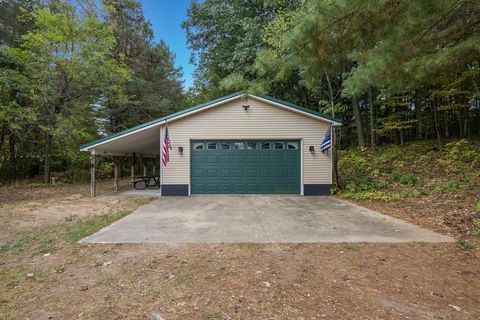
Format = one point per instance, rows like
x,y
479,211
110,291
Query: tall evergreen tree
x,y
155,88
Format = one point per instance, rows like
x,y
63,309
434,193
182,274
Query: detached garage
x,y
237,144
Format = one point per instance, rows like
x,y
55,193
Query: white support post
x,y
93,167
115,173
144,167
132,169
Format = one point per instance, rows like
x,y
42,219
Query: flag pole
x,y
334,158
161,151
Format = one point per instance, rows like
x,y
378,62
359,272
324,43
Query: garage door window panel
x,y
238,146
198,146
292,145
225,146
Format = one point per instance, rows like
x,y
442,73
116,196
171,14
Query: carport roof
x,y
148,125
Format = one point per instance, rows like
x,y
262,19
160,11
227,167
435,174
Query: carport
x,y
139,146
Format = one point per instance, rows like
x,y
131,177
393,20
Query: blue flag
x,y
325,146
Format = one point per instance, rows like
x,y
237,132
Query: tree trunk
x,y
400,134
466,128
46,158
34,169
418,114
437,129
13,157
460,123
373,138
445,119
358,122
330,92
2,138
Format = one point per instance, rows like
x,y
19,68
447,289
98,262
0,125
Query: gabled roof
x,y
180,114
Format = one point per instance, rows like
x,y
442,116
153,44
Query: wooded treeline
x,y
392,71
71,70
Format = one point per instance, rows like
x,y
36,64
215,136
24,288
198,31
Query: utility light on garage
x,y
180,150
246,106
312,149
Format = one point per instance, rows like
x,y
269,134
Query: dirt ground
x,y
234,281
25,208
447,213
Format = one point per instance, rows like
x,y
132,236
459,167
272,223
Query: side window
x,y
251,145
278,145
265,145
292,145
211,145
198,146
238,145
225,145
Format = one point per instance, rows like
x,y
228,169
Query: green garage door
x,y
245,167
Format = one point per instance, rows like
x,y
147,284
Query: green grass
x,y
466,245
85,228
39,243
476,223
47,239
18,245
350,246
44,240
46,245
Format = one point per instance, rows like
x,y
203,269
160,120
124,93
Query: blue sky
x,y
166,17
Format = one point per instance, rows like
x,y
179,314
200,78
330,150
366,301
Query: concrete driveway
x,y
262,219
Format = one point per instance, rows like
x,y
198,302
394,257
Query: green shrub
x,y
404,178
463,156
449,186
393,172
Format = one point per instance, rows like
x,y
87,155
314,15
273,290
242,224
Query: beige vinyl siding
x,y
261,121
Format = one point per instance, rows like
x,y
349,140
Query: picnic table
x,y
146,182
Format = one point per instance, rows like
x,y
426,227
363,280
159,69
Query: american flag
x,y
325,146
166,148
